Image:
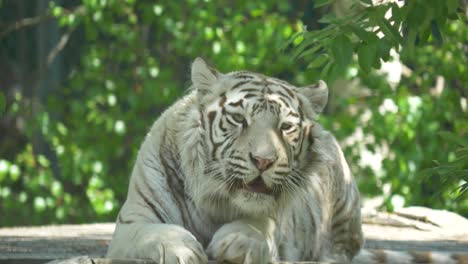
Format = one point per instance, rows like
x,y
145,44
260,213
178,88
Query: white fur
x,y
175,207
245,241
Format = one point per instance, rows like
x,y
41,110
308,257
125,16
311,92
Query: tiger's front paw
x,y
163,243
241,243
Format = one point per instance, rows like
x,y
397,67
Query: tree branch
x,y
25,23
30,21
59,47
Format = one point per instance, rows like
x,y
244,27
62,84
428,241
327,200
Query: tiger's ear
x,y
203,77
316,94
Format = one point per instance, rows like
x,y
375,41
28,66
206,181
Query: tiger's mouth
x,y
257,185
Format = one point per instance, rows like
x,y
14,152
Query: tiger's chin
x,y
254,203
255,198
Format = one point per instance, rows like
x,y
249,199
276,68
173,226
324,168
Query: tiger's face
x,y
257,131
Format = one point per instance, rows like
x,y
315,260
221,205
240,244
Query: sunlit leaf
x,y
318,61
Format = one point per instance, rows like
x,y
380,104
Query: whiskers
x,y
212,190
292,187
217,181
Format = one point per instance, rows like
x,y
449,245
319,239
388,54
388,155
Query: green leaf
x,y
335,71
342,50
390,30
452,137
310,51
452,5
319,35
319,3
397,13
2,103
304,47
367,54
318,61
326,69
291,40
327,19
384,49
410,42
312,40
360,32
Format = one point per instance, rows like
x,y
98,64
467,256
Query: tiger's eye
x,y
238,118
286,126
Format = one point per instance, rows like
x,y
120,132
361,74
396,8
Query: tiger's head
x,y
258,132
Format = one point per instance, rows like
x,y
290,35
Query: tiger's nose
x,y
262,163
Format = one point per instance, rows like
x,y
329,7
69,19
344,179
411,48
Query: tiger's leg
x,y
163,243
244,241
346,230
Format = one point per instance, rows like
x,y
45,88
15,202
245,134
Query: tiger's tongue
x,y
257,185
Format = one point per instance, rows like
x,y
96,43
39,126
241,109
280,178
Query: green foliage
x,y
69,159
134,61
456,169
370,31
401,123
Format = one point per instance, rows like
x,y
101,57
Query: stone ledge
x,y
410,229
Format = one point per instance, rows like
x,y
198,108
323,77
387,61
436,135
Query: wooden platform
x,y
410,229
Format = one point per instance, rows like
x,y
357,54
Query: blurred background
x,y
81,82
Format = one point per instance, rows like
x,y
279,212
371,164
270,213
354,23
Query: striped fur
x,y
239,170
197,183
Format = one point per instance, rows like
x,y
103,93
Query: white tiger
x,y
238,170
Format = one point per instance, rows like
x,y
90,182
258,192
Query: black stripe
x,y
223,100
150,205
249,95
238,103
259,83
249,90
226,146
176,185
211,118
339,207
237,85
221,126
229,121
291,113
243,76
303,133
284,102
339,222
291,94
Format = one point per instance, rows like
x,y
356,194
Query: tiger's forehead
x,y
257,87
